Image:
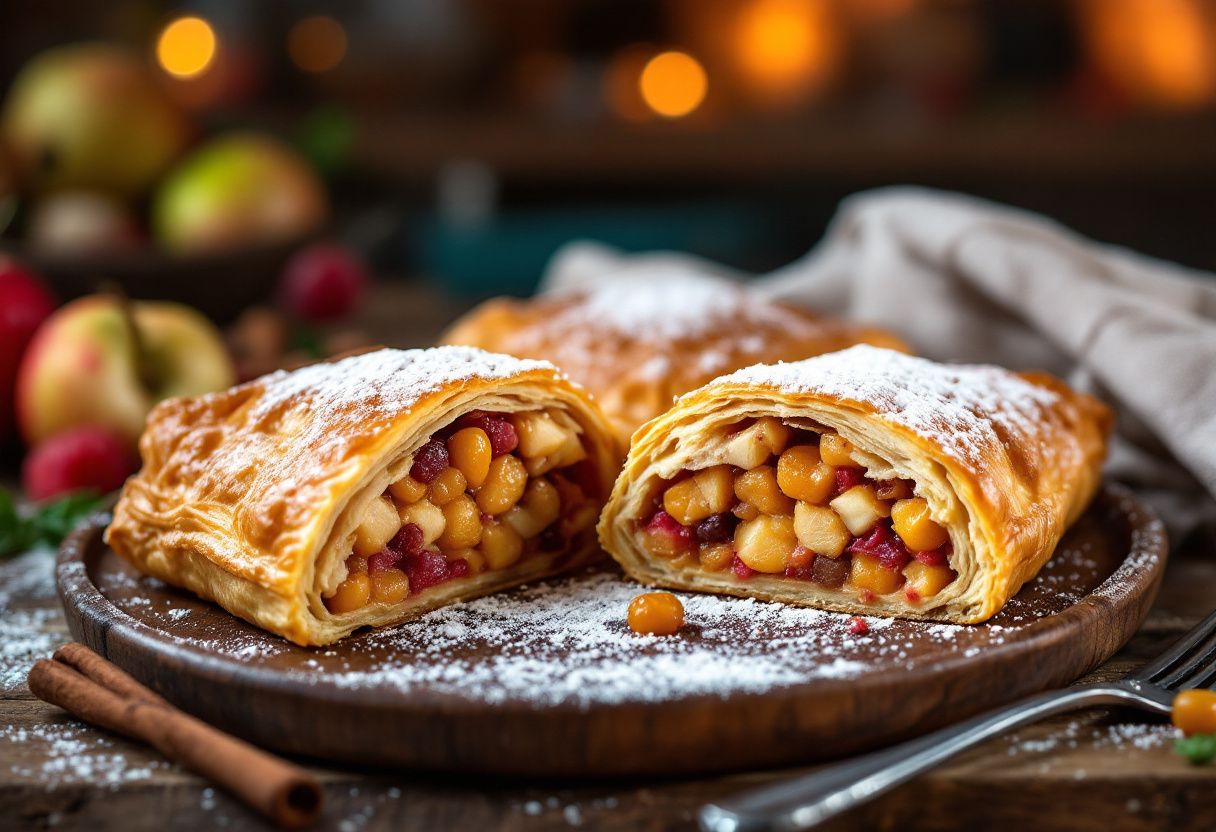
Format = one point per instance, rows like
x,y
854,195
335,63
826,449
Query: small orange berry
x,y
1194,711
656,614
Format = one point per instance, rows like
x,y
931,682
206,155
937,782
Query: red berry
x,y
933,557
425,569
24,304
408,540
858,626
323,282
458,568
430,461
846,478
742,570
912,595
384,559
883,544
664,523
717,528
86,457
503,438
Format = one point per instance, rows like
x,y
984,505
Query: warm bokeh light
x,y
1158,50
186,47
316,44
622,92
875,10
673,84
785,48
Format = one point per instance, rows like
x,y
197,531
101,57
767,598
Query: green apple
x,y
239,189
91,117
87,365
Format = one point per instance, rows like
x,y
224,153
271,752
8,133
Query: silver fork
x,y
807,801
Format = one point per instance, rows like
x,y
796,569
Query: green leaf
x,y
46,524
1197,748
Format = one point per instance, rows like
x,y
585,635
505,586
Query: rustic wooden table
x,y
1099,770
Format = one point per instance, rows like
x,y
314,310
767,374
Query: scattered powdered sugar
x,y
30,628
71,753
965,408
565,641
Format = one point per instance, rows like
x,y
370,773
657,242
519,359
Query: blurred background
x,y
316,175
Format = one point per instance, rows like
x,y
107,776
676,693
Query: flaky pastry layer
x,y
1006,462
251,497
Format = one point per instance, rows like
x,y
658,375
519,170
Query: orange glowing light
x,y
785,47
673,84
1159,50
186,47
316,43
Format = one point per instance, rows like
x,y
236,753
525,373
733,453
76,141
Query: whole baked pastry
x,y
637,343
368,490
864,481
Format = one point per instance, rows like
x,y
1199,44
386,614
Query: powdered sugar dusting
x,y
384,380
565,642
662,309
966,409
31,626
70,753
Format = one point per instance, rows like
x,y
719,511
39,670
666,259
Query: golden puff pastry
x,y
368,490
864,481
637,342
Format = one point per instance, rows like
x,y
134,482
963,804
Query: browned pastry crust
x,y
637,344
1006,462
250,497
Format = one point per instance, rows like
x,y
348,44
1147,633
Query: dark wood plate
x,y
547,680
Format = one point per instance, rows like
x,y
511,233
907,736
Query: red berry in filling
x,y
430,461
883,544
912,595
503,438
458,568
408,541
858,626
866,596
934,557
846,478
717,528
664,523
384,559
742,570
426,569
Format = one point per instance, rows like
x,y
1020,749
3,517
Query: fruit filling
x,y
788,500
484,494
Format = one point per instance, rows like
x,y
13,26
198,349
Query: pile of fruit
x,y
96,156
78,381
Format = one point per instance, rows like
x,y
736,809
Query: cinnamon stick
x,y
108,675
286,794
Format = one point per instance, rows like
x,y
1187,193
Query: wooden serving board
x,y
547,680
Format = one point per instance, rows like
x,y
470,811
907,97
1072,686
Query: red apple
x,y
86,365
24,304
86,457
323,282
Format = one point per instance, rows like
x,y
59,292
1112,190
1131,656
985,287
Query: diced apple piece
x,y
539,435
427,516
766,543
753,445
820,529
860,509
759,487
708,492
716,556
407,490
924,580
380,523
911,521
867,573
802,475
834,449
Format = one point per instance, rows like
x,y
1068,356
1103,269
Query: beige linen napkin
x,y
967,280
